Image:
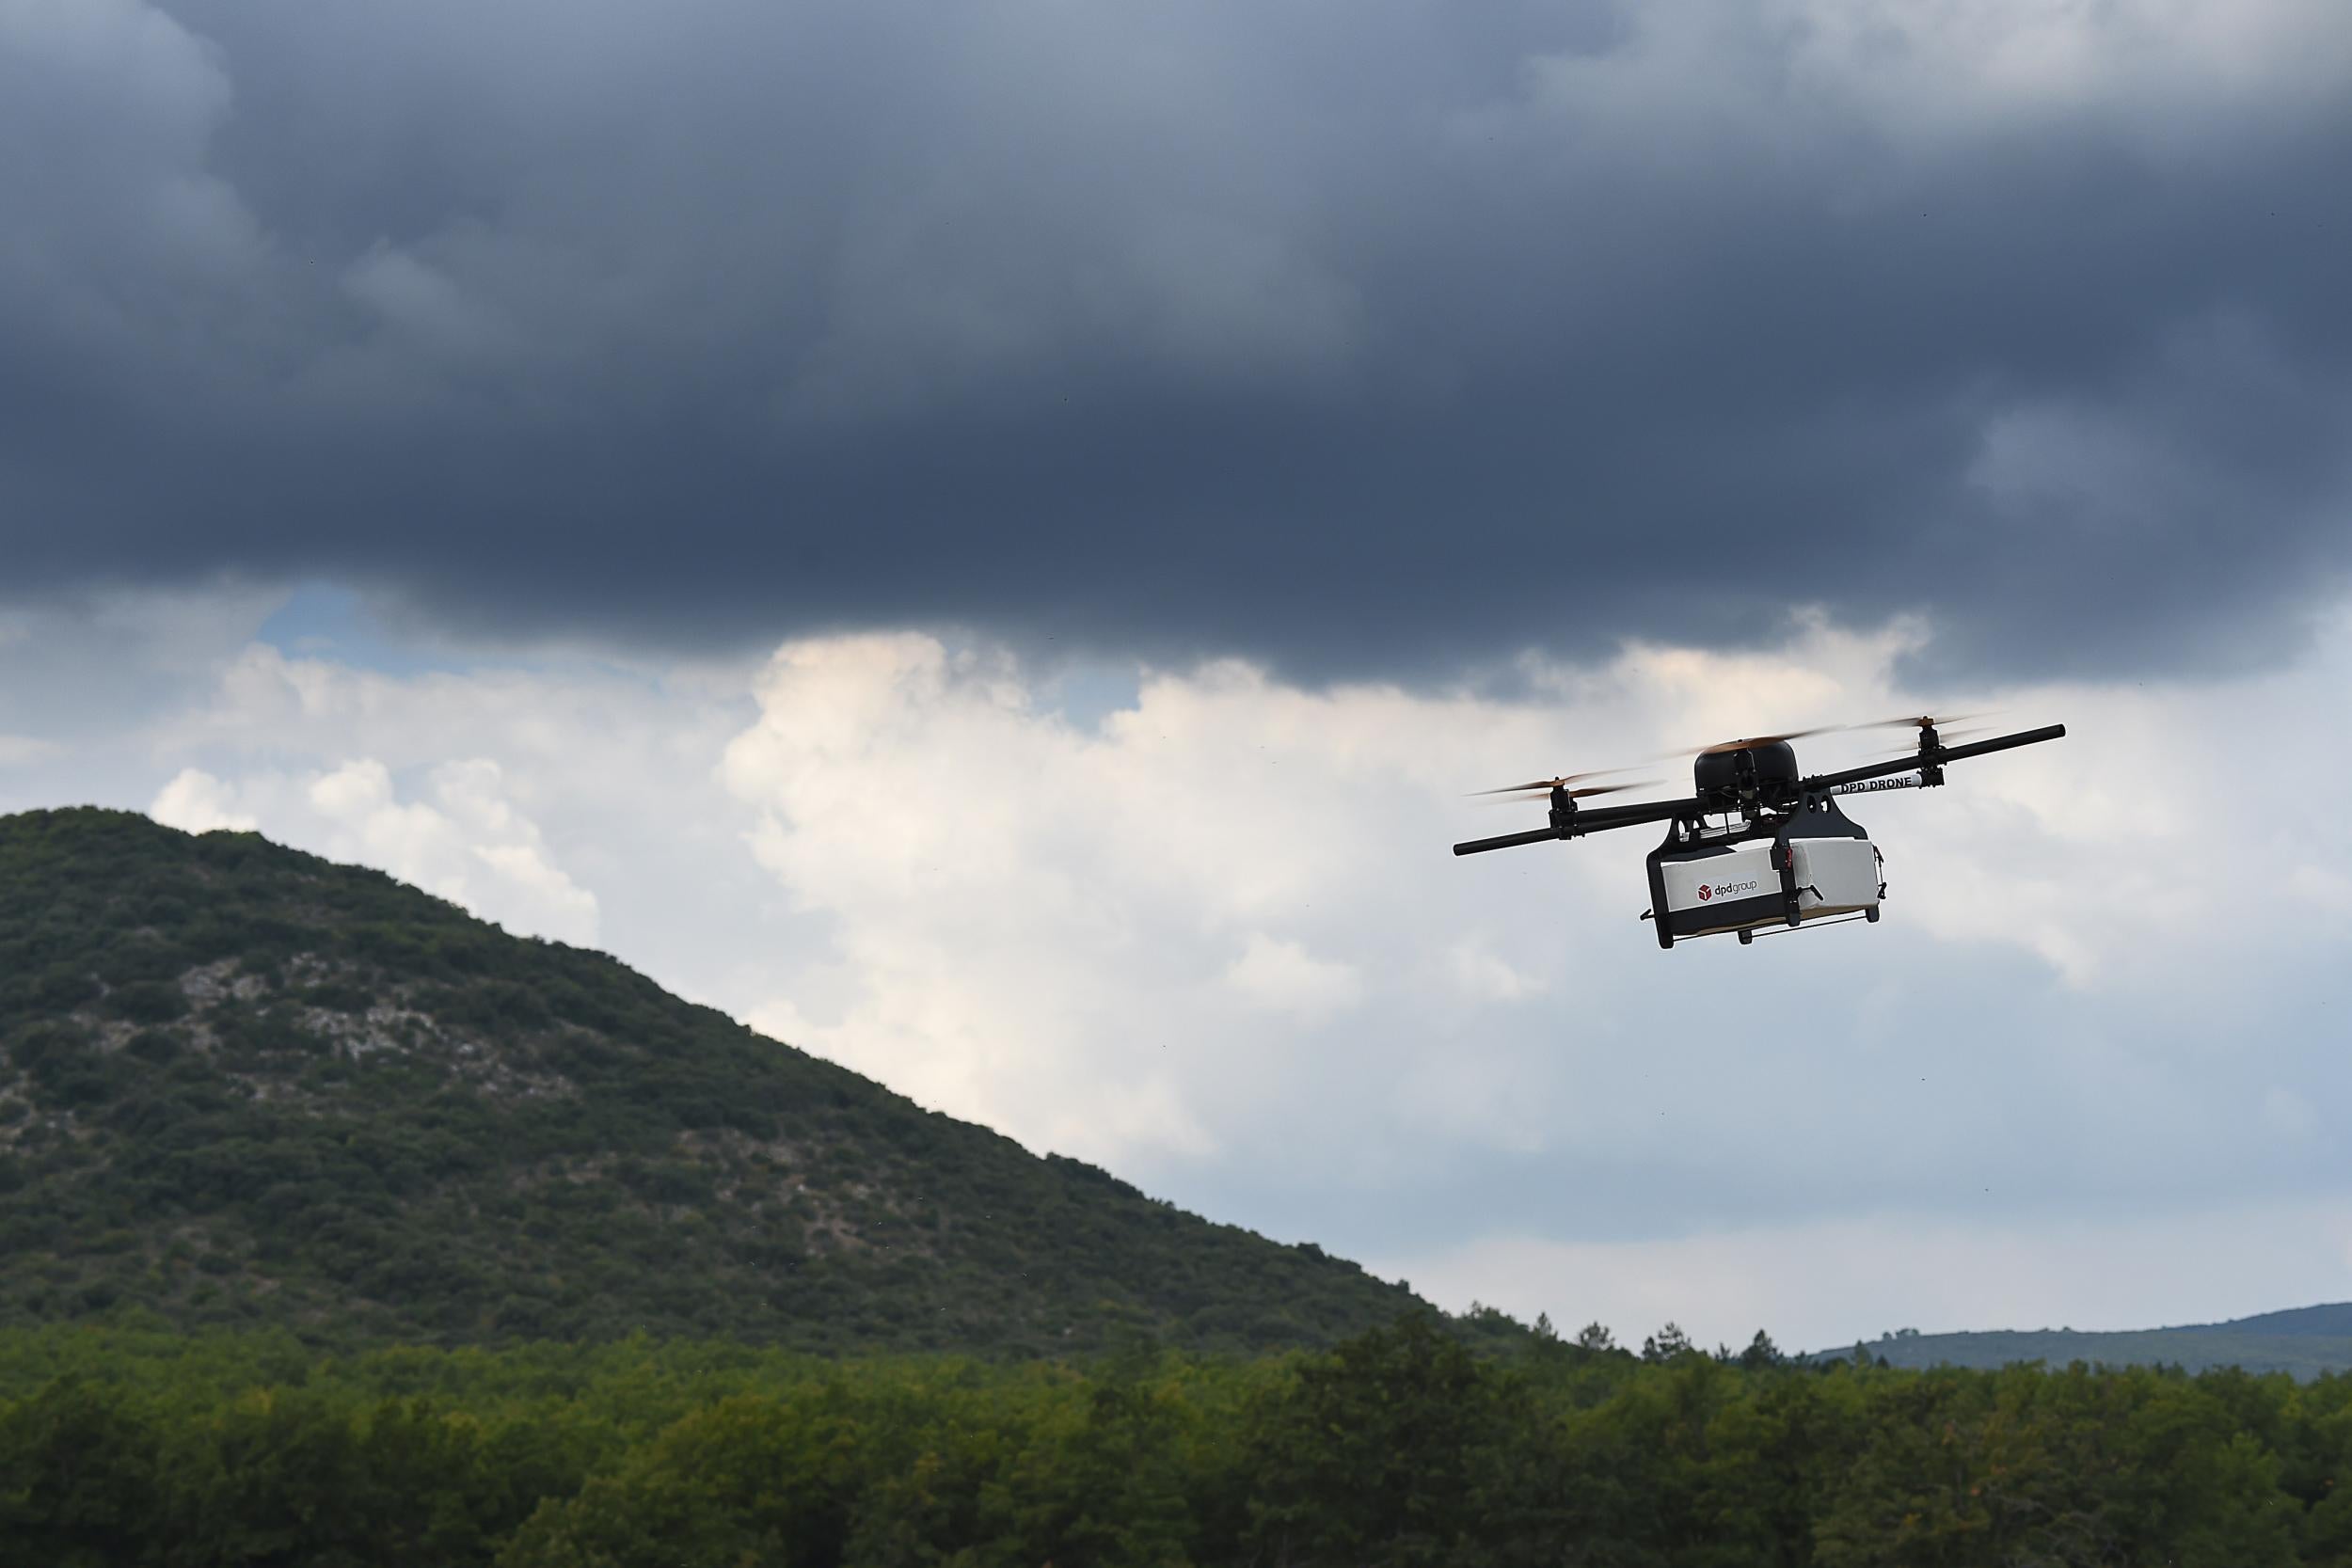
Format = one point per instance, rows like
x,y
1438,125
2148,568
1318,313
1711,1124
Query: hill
x,y
244,1086
2306,1341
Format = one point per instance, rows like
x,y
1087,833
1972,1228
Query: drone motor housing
x,y
1765,772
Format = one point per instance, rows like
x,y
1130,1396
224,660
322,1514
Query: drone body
x,y
1783,855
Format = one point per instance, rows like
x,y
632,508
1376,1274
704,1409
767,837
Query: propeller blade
x,y
1609,789
1920,721
1941,735
1549,784
1544,792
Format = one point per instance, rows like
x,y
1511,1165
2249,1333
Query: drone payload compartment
x,y
1833,875
1730,888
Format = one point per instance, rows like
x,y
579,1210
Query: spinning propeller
x,y
1924,724
1919,721
1942,736
1542,788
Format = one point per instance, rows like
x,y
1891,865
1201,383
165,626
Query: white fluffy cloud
x,y
18,751
464,840
1935,72
570,799
1283,978
1217,941
195,802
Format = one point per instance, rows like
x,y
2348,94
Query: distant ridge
x,y
2330,1322
2302,1341
242,1085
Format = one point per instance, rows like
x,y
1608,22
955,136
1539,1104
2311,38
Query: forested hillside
x,y
2306,1341
1400,1448
242,1085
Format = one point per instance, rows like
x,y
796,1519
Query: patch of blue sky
x,y
1088,694
327,620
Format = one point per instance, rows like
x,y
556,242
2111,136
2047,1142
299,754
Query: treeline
x,y
1402,1447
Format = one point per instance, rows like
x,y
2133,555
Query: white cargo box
x,y
1835,876
1739,889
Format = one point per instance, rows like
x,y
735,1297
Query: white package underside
x,y
1834,876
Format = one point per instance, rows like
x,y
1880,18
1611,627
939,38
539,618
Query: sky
x,y
991,544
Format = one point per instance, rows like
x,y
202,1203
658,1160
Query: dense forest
x,y
1402,1446
241,1086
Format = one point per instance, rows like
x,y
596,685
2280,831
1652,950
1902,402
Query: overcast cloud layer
x,y
1375,338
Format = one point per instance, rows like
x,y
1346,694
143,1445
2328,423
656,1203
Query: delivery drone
x,y
1782,854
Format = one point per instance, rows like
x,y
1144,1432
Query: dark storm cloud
x,y
1371,339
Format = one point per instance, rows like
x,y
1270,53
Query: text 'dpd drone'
x,y
1783,854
